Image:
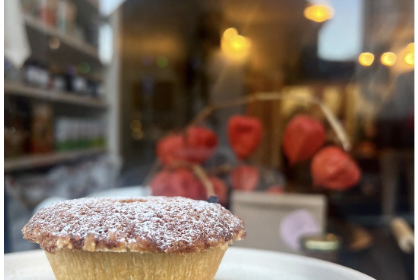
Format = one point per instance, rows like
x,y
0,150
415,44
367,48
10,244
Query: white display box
x,y
278,221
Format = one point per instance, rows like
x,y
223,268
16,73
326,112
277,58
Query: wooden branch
x,y
333,121
336,125
198,171
201,116
201,175
234,102
220,169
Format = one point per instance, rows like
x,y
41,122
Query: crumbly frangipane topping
x,y
150,224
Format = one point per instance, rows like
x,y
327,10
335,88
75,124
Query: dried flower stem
x,y
333,121
220,169
198,171
201,175
227,104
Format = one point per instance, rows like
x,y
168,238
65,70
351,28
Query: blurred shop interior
x,y
91,87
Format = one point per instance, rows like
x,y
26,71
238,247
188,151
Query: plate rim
x,y
306,259
287,256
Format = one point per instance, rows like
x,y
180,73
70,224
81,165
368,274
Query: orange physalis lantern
x,y
332,168
303,137
244,134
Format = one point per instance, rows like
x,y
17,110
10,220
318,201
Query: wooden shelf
x,y
37,161
71,41
58,97
72,50
94,4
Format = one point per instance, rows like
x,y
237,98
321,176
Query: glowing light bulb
x,y
238,43
388,58
230,33
233,45
410,59
318,13
411,47
366,59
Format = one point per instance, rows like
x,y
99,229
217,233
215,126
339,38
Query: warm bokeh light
x,y
410,58
238,43
230,33
388,58
136,125
319,13
411,47
410,55
234,45
54,43
366,59
136,130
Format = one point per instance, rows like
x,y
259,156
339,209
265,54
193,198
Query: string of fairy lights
x,y
407,56
235,45
322,13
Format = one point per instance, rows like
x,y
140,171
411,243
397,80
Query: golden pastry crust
x,y
150,224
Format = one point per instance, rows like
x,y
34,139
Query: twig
x,y
234,102
227,104
201,175
333,121
198,171
201,116
221,169
336,125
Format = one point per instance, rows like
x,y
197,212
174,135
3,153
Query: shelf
x,y
93,3
72,41
71,51
58,97
37,161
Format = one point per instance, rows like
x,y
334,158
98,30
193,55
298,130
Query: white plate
x,y
238,263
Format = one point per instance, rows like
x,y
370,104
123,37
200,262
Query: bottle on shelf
x,y
30,7
61,134
57,82
48,11
79,133
36,74
41,139
11,73
66,14
79,85
16,128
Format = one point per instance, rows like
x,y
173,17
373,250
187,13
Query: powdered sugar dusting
x,y
151,224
